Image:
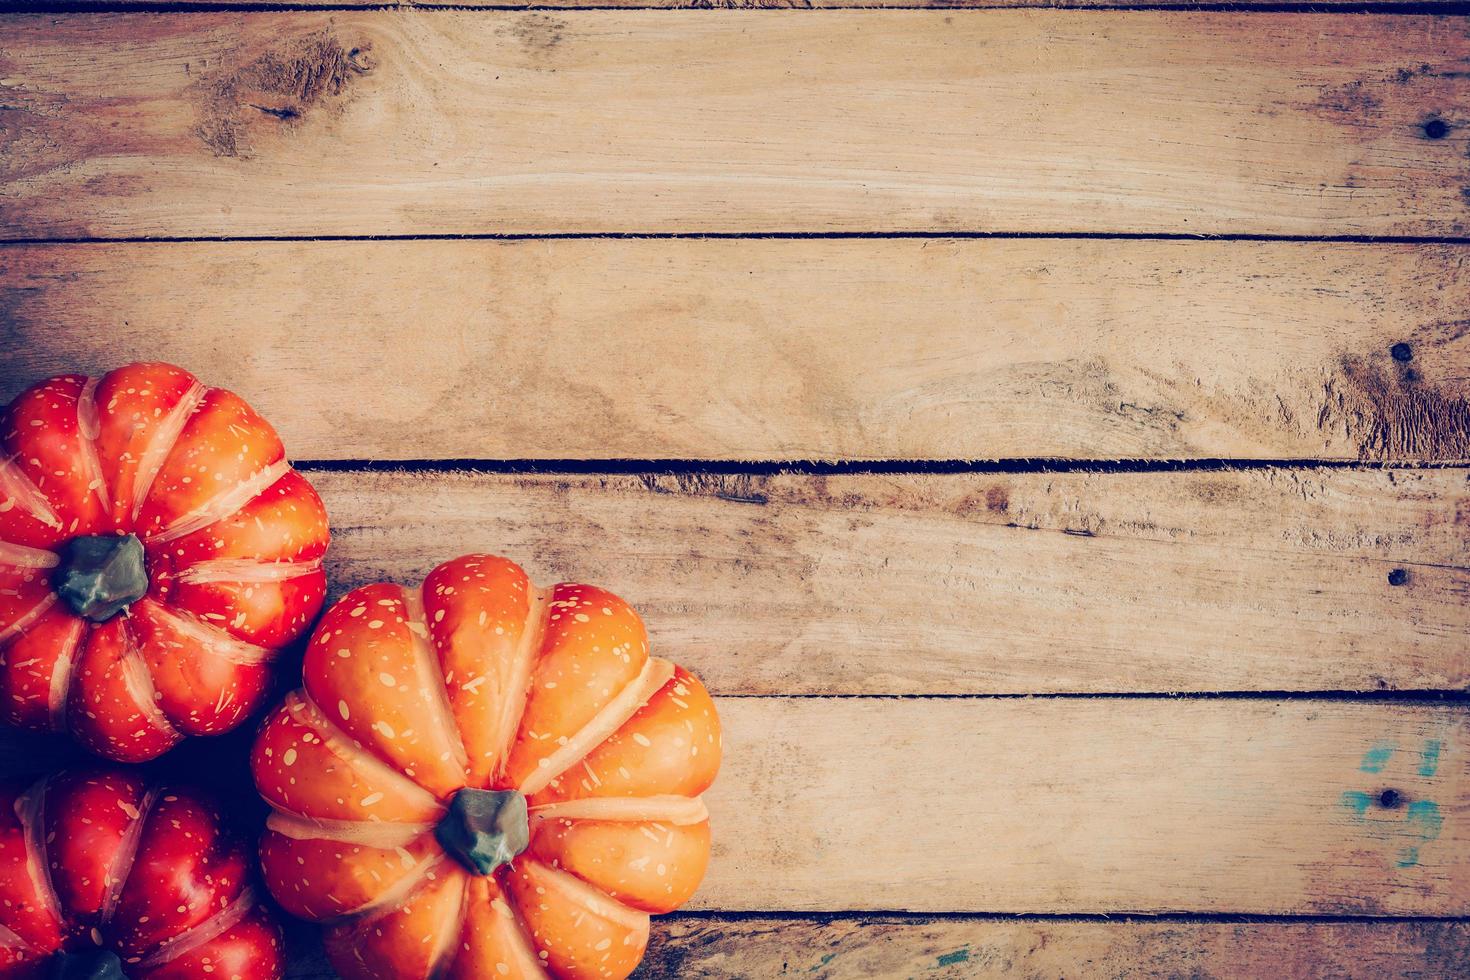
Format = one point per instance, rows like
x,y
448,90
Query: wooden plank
x,y
951,948
980,583
780,349
742,4
1092,805
722,948
1078,806
414,122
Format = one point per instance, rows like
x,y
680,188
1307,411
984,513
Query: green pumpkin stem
x,y
101,575
484,829
87,964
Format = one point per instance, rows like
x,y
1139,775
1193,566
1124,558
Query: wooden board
x,y
973,583
1095,805
468,122
722,4
786,349
954,947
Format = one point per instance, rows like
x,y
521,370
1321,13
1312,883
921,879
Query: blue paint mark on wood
x,y
1429,758
960,955
1357,801
1425,820
1377,757
828,958
1409,828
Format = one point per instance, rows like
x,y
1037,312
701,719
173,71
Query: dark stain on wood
x,y
539,34
1392,413
1355,103
281,86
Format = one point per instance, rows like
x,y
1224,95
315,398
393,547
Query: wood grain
x,y
573,5
780,349
982,583
951,948
430,122
849,948
1091,805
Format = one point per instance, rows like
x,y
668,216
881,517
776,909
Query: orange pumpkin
x,y
480,778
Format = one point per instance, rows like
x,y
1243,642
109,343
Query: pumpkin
x,y
105,876
156,550
480,778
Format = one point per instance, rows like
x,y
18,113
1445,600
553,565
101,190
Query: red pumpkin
x,y
485,779
156,550
105,876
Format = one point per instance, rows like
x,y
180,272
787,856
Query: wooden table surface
x,y
1046,430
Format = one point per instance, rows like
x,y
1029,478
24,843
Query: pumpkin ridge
x,y
89,427
430,668
23,490
681,811
624,705
162,442
127,855
23,556
195,936
527,938
25,619
30,808
215,638
380,834
227,504
64,673
594,899
453,938
138,682
10,939
396,895
528,651
337,742
209,570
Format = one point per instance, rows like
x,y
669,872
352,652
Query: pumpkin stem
x,y
101,574
87,964
484,828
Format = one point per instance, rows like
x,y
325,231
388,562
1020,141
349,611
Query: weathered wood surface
x,y
955,948
1092,805
726,4
413,122
973,583
780,349
952,948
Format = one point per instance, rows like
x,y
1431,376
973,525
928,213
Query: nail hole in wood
x,y
1389,799
1402,352
1398,577
1436,129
